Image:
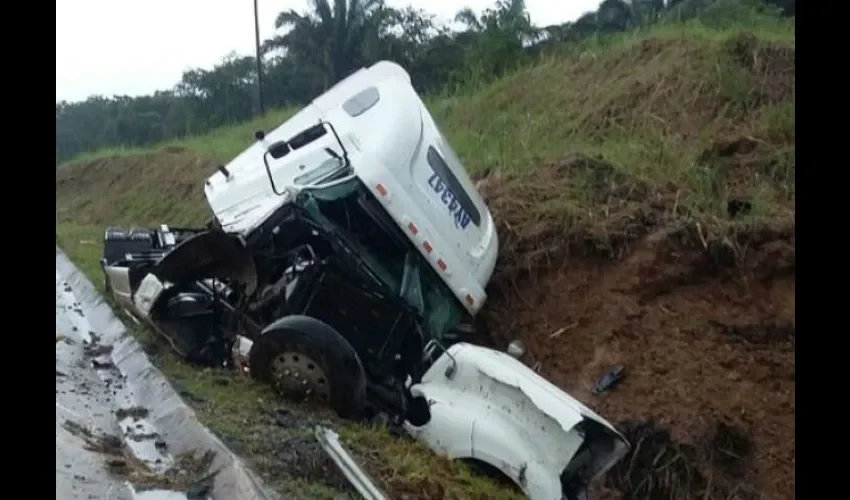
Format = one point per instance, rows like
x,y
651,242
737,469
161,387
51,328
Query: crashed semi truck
x,y
347,254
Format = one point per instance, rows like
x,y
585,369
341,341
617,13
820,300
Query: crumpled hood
x,y
564,408
487,405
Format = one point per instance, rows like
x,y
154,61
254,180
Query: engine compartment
x,y
333,256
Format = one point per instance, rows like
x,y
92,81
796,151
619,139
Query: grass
x,y
235,408
220,144
688,116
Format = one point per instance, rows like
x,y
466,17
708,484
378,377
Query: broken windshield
x,y
329,170
341,211
291,162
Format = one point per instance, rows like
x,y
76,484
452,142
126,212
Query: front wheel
x,y
305,359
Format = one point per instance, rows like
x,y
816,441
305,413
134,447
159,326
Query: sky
x,y
128,47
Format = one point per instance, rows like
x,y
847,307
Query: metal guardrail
x,y
329,440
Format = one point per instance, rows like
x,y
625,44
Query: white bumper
x,y
496,410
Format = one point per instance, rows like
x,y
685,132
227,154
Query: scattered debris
x,y
516,349
560,331
160,444
142,437
95,349
190,472
102,365
611,378
135,412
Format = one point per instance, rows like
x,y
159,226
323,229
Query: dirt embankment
x,y
687,282
700,313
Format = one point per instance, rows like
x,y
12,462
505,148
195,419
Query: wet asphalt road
x,y
89,390
111,398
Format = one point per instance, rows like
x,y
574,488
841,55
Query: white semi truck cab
x,y
372,126
347,242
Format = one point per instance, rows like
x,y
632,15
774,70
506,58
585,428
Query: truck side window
x,y
446,175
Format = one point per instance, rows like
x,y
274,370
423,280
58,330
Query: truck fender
x,y
460,433
210,254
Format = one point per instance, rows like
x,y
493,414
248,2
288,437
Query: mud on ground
x,y
276,440
700,314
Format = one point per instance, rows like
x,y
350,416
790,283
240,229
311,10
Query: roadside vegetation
x,y
641,115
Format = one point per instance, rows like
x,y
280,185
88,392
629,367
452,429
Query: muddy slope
x,y
685,281
703,324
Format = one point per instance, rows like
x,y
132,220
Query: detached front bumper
x,y
486,406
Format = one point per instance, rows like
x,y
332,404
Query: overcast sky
x,y
130,47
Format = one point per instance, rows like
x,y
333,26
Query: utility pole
x,y
259,59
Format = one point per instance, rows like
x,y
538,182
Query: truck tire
x,y
323,359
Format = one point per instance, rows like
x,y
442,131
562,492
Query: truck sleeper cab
x,y
375,121
363,179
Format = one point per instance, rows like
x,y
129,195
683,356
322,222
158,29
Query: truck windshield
x,y
329,170
346,211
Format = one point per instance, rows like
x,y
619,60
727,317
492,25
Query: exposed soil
x,y
704,326
281,447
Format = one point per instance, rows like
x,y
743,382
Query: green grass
x,y
235,408
221,144
656,106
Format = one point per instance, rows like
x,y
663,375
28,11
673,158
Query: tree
x,y
314,49
330,37
500,36
614,16
506,17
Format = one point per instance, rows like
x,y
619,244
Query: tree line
x,y
313,49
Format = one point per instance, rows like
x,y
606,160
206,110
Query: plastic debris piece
x,y
611,378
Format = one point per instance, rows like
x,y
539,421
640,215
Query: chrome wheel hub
x,y
297,375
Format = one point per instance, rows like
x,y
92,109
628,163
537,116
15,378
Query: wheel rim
x,y
297,375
